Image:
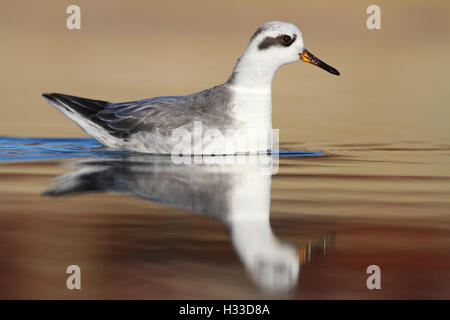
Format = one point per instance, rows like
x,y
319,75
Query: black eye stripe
x,y
283,40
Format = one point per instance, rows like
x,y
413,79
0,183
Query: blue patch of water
x,y
26,149
297,153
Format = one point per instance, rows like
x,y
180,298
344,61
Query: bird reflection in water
x,y
236,192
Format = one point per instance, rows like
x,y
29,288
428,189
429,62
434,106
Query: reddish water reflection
x,y
330,218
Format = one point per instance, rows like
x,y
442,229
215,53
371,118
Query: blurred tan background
x,y
393,87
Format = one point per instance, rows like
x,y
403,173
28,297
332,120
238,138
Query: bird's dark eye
x,y
282,40
287,39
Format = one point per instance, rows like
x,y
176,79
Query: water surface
x,y
141,227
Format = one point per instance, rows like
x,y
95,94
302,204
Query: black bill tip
x,y
332,70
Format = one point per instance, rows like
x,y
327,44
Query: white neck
x,y
251,83
252,73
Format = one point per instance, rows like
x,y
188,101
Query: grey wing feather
x,y
167,113
162,113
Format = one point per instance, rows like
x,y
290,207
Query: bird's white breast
x,y
252,111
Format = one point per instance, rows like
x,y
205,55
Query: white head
x,y
276,43
273,44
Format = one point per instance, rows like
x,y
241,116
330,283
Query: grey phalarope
x,y
243,103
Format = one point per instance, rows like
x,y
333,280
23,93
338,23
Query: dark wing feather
x,y
83,106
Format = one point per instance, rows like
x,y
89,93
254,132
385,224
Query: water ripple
x,y
28,149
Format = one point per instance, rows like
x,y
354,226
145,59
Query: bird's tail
x,y
83,106
83,112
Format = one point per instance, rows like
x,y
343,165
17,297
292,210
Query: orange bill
x,y
310,58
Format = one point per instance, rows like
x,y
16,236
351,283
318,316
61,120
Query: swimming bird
x,y
236,114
